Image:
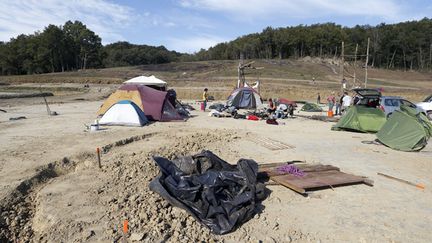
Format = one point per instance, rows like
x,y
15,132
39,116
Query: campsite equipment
x,y
124,113
95,126
306,177
202,106
252,118
406,129
245,98
330,113
153,103
217,194
272,122
361,119
150,81
311,107
419,185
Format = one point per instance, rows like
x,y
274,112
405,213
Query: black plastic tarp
x,y
219,195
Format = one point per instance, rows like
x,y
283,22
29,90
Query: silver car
x,y
389,104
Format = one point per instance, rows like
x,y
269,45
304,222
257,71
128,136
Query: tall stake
x,y
367,61
342,65
355,65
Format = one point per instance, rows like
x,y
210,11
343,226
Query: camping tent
x,y
153,103
311,107
361,119
125,113
150,81
245,98
406,130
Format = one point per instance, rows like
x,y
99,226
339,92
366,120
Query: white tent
x,y
148,81
124,113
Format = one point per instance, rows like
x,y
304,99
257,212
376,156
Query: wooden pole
x,y
342,65
366,65
355,66
420,186
98,157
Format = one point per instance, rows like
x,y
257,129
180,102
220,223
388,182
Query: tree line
x,y
73,46
406,45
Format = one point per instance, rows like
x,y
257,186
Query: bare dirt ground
x,y
51,189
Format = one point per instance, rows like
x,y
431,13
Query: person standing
x,y
346,102
204,99
318,98
344,83
338,104
331,100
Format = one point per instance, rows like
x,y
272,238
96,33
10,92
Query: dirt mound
x,y
120,192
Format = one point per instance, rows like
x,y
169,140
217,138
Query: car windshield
x,y
428,99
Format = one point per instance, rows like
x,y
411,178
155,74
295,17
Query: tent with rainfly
x,y
406,129
124,113
360,118
154,103
150,81
245,98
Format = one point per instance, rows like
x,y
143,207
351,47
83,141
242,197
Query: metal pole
x,y
367,61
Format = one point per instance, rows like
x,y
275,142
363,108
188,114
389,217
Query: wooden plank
x,y
318,179
286,183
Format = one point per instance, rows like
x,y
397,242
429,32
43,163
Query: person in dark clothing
x,y
318,98
272,106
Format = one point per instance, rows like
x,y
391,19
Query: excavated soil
x,y
119,192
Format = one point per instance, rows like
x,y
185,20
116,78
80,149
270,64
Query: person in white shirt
x,y
346,101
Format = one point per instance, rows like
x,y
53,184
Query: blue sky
x,y
188,25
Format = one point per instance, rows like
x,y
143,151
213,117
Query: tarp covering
x,y
245,98
124,113
406,130
311,107
217,194
361,119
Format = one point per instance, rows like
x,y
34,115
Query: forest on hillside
x,y
73,46
406,45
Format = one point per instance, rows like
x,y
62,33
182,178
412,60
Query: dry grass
x,y
280,78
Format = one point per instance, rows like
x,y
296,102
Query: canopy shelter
x,y
361,119
150,81
124,113
154,103
245,98
406,129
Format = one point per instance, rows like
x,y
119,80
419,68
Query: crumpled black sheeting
x,y
217,194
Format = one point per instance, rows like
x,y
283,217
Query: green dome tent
x,y
311,107
406,130
361,119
